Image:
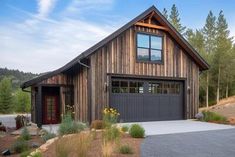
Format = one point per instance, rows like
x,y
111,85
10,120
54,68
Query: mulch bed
x,y
96,147
7,140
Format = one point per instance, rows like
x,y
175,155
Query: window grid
x,y
150,48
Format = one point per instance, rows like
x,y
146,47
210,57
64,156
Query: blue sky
x,y
43,35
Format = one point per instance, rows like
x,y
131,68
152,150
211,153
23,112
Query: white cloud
x,y
48,44
44,7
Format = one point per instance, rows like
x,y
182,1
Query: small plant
x,y
82,142
111,134
125,128
110,116
48,136
125,149
35,153
25,153
20,146
107,149
136,131
209,116
97,124
69,126
25,134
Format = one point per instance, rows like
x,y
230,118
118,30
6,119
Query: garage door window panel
x,y
155,88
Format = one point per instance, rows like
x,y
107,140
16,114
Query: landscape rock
x,y
35,145
199,116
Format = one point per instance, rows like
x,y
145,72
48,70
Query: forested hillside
x,y
17,77
214,42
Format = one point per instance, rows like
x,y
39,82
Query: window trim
x,y
149,49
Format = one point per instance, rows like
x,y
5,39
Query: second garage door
x,y
147,100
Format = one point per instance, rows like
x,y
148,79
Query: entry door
x,y
51,109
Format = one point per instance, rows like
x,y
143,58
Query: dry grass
x,y
73,145
107,149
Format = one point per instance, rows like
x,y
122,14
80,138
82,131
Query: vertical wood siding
x,y
119,56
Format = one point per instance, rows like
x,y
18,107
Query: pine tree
x,y
175,20
209,31
222,52
5,96
22,101
164,13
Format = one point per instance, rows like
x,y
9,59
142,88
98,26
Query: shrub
x,y
110,116
97,124
136,131
107,149
68,126
125,128
213,117
111,134
20,146
77,144
25,134
125,149
48,136
25,153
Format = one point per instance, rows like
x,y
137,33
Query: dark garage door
x,y
147,100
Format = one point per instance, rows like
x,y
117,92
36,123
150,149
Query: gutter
x,y
23,89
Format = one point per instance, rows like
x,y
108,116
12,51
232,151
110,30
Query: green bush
x,y
111,133
69,126
136,131
48,136
125,128
20,146
209,116
97,124
125,149
25,153
25,134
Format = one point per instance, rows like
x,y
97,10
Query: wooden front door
x,y
51,109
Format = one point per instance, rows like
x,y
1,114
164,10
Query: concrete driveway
x,y
179,126
214,143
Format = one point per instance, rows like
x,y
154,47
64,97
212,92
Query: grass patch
x,y
20,146
25,134
111,134
69,126
136,131
209,116
125,149
75,145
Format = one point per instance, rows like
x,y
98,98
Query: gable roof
x,y
203,65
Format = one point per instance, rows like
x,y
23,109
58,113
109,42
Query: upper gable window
x,y
149,47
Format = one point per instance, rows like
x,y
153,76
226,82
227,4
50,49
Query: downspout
x,y
89,103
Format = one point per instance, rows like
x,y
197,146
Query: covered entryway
x,y
147,100
51,105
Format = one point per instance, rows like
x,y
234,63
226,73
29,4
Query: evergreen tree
x,y
209,31
164,13
175,20
5,96
221,59
22,103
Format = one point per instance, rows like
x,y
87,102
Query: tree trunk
x,y
218,86
207,89
226,90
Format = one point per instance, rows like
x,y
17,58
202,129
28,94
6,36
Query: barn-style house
x,y
145,69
